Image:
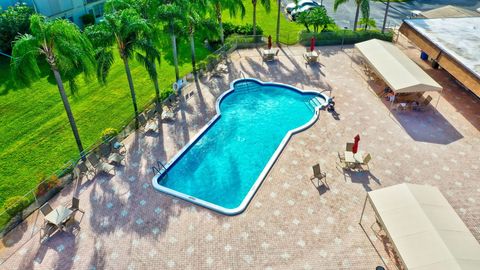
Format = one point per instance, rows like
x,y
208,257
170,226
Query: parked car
x,y
306,7
290,7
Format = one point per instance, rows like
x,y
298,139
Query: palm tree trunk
x,y
356,17
254,2
278,23
175,54
68,110
132,89
158,102
192,48
218,10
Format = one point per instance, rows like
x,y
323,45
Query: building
x,y
68,9
452,43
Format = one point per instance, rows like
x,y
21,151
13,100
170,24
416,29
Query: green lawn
x,y
268,21
35,137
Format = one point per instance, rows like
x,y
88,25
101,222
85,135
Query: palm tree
x,y
68,53
123,28
266,4
170,12
233,6
363,5
195,20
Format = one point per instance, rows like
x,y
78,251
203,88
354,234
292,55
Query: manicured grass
x,y
268,21
35,136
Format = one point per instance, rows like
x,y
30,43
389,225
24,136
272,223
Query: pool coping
x,y
249,196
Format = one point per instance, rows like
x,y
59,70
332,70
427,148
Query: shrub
x,y
14,20
46,185
348,36
87,20
247,29
165,93
16,204
108,133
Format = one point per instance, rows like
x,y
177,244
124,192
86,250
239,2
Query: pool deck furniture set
x,y
268,55
311,57
356,160
58,219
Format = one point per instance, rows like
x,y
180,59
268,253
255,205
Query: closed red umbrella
x,y
355,144
312,44
269,42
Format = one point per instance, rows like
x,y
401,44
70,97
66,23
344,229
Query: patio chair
x,y
115,158
99,166
46,209
366,160
141,119
318,174
150,113
104,150
76,205
349,147
151,126
424,104
46,231
80,170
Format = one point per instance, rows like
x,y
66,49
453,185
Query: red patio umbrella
x,y
312,44
355,144
269,42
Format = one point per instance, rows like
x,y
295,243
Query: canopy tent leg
x,y
363,210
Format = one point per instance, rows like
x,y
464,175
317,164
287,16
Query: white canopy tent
x,y
398,71
424,229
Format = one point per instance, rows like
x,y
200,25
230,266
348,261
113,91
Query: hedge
x,y
348,36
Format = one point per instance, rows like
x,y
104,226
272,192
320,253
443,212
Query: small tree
x,y
304,19
318,18
14,20
367,23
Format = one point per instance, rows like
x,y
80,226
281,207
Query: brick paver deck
x,y
291,223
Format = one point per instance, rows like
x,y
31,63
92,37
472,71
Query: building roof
x,y
449,12
398,71
458,37
424,228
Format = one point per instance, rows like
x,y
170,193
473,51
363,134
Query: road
x,y
398,11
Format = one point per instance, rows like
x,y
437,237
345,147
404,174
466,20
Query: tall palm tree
x,y
266,4
362,5
195,20
233,7
170,12
123,28
68,53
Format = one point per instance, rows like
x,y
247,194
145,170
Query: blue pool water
x,y
222,165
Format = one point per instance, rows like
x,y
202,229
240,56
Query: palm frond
x,y
24,63
338,3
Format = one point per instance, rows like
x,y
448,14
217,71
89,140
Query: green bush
x,y
46,184
245,30
108,133
15,205
165,93
87,19
335,37
14,20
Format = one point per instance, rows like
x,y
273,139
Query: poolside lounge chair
x,y
141,119
151,113
100,166
318,174
117,147
115,158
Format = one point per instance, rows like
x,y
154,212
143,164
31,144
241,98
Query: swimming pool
x,y
223,166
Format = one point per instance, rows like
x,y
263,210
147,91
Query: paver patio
x,y
290,223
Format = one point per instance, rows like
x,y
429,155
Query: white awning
x,y
398,71
424,229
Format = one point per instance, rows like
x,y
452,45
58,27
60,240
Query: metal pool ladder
x,y
159,169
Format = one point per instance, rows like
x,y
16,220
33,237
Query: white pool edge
x,y
266,169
